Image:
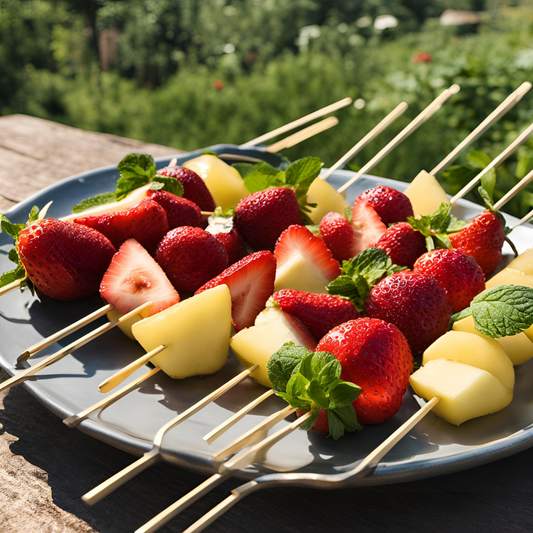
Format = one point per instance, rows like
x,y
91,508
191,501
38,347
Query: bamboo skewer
x,y
230,422
363,469
299,122
117,378
525,219
63,333
76,419
524,182
153,455
173,162
494,163
11,286
242,459
300,136
499,112
429,111
371,135
32,370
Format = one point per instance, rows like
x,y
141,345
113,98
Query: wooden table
x,y
45,467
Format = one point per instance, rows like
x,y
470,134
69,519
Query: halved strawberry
x,y
367,226
251,283
304,262
134,278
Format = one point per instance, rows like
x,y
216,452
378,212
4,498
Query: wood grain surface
x,y
46,467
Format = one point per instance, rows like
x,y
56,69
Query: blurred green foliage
x,y
192,73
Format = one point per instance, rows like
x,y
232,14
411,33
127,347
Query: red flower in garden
x,y
218,85
422,57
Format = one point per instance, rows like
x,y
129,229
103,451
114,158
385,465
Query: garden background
x,y
192,73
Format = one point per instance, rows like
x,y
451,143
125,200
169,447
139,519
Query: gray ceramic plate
x,y
69,386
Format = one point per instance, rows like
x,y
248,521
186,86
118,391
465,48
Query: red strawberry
x,y
376,356
413,302
456,272
304,261
179,211
190,257
145,222
262,216
251,283
367,226
64,261
338,234
194,187
318,312
134,278
482,238
402,244
391,205
225,231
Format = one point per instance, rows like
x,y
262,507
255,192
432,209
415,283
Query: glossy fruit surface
x,y
402,244
179,211
391,205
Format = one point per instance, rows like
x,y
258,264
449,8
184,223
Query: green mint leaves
x,y
501,311
437,226
136,170
360,274
476,161
298,176
14,230
310,381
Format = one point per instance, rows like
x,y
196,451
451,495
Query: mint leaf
x,y
303,171
127,184
313,228
348,213
503,310
482,160
11,229
209,152
244,168
437,226
311,421
310,381
229,212
263,176
360,274
344,394
136,166
336,427
99,199
460,315
34,215
282,363
168,183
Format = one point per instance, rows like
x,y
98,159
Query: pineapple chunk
x,y
481,352
223,181
125,327
510,276
464,391
196,331
523,263
425,194
519,348
271,330
326,198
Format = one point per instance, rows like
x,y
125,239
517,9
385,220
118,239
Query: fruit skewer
x,y
154,455
299,122
365,468
524,182
494,163
425,193
32,370
424,115
370,136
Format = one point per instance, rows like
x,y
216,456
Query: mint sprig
x,y
437,226
298,176
501,311
310,381
360,274
456,176
13,230
136,170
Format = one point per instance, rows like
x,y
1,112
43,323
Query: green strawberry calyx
x,y
360,274
437,226
136,170
13,230
297,176
310,381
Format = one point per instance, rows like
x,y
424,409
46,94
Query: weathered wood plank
x,y
35,153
